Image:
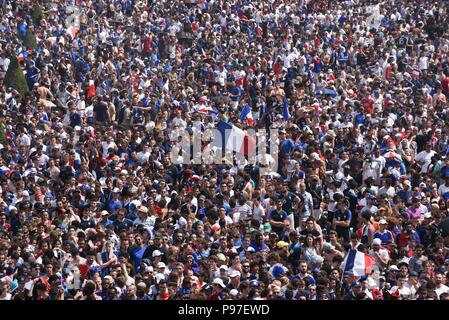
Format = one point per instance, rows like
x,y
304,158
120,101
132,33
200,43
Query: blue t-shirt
x,y
257,248
137,255
386,237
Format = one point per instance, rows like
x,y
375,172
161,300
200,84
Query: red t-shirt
x,y
445,84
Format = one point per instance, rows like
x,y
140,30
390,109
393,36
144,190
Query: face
x,y
303,267
357,289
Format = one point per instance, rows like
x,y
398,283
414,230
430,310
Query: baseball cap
x,y
161,265
143,209
156,253
149,269
235,273
104,213
254,283
356,284
383,221
413,274
221,257
224,267
219,282
159,277
281,244
393,267
266,227
234,292
376,242
427,215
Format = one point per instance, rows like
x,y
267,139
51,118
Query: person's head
x,y
279,204
376,244
401,280
310,223
418,250
303,267
439,276
276,292
382,225
356,287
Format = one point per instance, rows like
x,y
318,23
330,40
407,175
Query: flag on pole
x,y
248,114
357,263
235,139
91,91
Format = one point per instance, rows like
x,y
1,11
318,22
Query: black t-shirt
x,y
101,111
288,202
314,233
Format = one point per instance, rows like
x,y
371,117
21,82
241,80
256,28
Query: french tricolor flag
x,y
357,263
235,139
248,114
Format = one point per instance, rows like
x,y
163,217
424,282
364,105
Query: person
x,y
341,220
440,287
380,254
137,252
401,291
277,218
367,230
416,261
385,235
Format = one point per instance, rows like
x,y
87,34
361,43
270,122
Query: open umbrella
x,y
328,92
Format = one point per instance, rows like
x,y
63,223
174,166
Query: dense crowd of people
x,y
92,206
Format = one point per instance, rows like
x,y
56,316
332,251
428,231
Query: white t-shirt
x,y
425,157
105,145
442,289
258,212
443,189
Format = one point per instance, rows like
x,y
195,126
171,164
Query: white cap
x,y
161,265
393,267
235,273
383,221
427,215
224,267
149,269
157,253
159,277
377,242
219,282
221,257
234,292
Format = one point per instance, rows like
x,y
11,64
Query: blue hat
x,y
356,284
254,283
277,271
